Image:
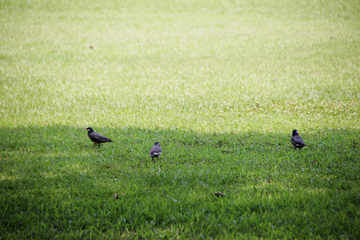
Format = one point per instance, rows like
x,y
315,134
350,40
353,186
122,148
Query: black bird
x,y
155,151
296,140
97,138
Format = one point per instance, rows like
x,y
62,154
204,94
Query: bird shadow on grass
x,y
56,167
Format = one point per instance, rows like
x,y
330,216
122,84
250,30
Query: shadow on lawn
x,y
56,174
38,148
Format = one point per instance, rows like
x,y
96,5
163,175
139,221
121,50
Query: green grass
x,y
220,84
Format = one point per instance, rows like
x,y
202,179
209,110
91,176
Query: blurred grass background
x,y
196,62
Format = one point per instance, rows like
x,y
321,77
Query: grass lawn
x,y
220,84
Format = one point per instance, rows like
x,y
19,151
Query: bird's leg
x,y
152,158
94,143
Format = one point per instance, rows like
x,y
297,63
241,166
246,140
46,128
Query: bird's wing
x,y
98,137
105,139
155,151
297,140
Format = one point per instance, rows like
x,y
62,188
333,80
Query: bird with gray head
x,y
296,140
96,137
155,151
